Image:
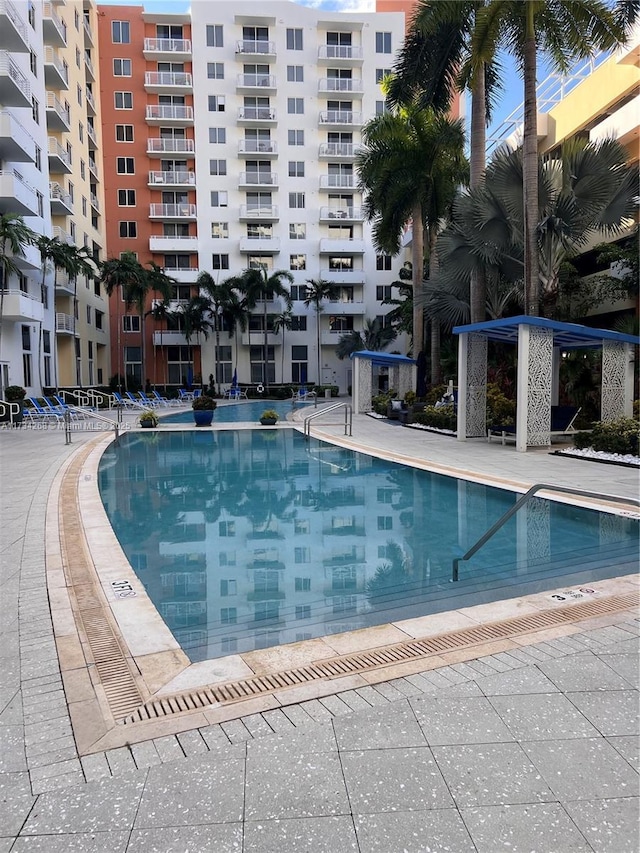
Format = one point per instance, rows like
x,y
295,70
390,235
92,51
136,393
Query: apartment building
x,y
264,113
54,328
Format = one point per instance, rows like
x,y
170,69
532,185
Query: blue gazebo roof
x,y
567,335
383,357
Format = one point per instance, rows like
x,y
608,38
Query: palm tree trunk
x,y
318,338
265,380
530,171
217,352
143,378
478,297
417,261
436,332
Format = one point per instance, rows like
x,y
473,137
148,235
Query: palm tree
x,y
156,281
194,315
219,296
161,313
127,275
410,170
282,321
236,316
15,236
564,32
374,337
317,291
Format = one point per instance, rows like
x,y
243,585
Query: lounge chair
x,y
561,424
165,401
185,396
303,394
74,413
396,409
126,403
39,411
147,401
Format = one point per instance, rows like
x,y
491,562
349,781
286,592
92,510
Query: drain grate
x,y
245,688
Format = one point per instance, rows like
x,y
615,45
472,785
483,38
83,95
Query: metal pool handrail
x,y
348,418
116,425
523,500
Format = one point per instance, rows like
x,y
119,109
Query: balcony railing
x,y
90,99
89,66
8,68
169,112
93,168
258,211
340,51
54,29
340,117
56,151
57,194
168,79
62,114
65,323
91,133
257,114
257,146
172,211
264,48
337,181
87,30
171,178
340,84
339,149
167,45
62,235
259,179
170,146
8,10
54,62
16,143
256,81
95,204
332,214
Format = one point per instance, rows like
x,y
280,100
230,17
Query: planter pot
x,y
145,425
268,421
203,417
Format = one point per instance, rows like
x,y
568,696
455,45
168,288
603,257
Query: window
x,y
303,584
78,58
99,319
295,137
83,170
383,292
297,231
295,73
296,168
126,198
38,161
381,73
219,230
295,106
383,262
35,110
299,364
296,200
219,198
128,229
299,323
123,100
84,206
385,522
303,611
226,528
215,70
302,554
381,108
228,615
31,14
120,33
217,167
125,166
33,63
294,39
228,587
89,316
217,135
79,94
214,35
297,262
216,103
80,131
383,42
131,323
298,292
122,68
220,262
124,133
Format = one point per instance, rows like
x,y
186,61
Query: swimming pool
x,y
247,411
246,539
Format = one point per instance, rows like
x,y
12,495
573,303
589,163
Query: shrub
x,y
619,436
149,417
442,418
435,393
500,409
270,414
14,394
203,403
410,398
380,402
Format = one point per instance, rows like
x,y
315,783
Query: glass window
x,y
128,230
296,168
219,198
122,68
220,262
383,42
125,165
123,100
124,133
297,262
214,35
383,262
295,137
215,70
217,103
294,39
126,198
297,231
217,135
219,230
295,73
296,200
120,32
295,106
217,167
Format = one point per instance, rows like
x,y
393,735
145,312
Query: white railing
x,y
89,64
49,14
91,133
62,235
65,323
257,146
93,198
169,112
340,213
87,29
173,211
167,45
170,146
337,181
256,46
340,51
51,58
53,103
168,78
257,81
90,99
340,117
164,178
8,66
16,19
56,193
56,150
260,211
340,84
263,179
338,149
257,113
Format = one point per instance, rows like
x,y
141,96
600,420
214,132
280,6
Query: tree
x,y
282,321
564,32
15,236
194,320
235,316
158,282
317,291
127,275
219,295
374,337
410,169
161,313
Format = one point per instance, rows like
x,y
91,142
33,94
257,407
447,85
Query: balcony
x,y
16,144
91,103
179,212
167,49
167,82
169,115
256,116
344,276
14,30
61,202
257,337
177,243
19,305
93,201
93,170
336,246
339,151
171,339
260,245
172,179
260,212
91,133
329,86
331,339
266,50
88,65
182,275
256,82
59,160
338,182
341,307
157,147
257,179
14,86
62,235
621,125
266,148
58,118
340,54
341,214
340,118
54,30
88,35
56,73
30,259
16,196
65,325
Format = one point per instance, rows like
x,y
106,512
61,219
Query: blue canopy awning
x,y
567,335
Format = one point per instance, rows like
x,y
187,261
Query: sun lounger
x,y
561,424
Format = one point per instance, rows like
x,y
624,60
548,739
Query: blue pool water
x,y
247,539
247,411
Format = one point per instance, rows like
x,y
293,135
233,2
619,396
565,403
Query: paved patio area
x,y
534,748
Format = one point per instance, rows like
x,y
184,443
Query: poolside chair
x,y
74,413
147,401
125,403
137,402
185,396
197,392
165,401
561,424
302,395
40,411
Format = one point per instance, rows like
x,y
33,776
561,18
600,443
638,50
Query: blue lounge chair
x,y
185,396
302,395
147,401
40,411
127,404
165,401
65,407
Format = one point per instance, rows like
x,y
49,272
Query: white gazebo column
x,y
617,380
406,380
535,370
472,386
362,378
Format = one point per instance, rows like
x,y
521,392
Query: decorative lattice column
x,y
406,379
472,386
362,382
617,380
535,372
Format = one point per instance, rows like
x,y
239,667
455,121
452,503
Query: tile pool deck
x,y
528,744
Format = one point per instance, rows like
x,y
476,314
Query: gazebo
x,y
540,343
402,377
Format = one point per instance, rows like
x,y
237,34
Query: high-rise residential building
x,y
54,327
263,112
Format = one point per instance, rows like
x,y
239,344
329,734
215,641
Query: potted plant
x,y
203,409
149,419
13,394
269,417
